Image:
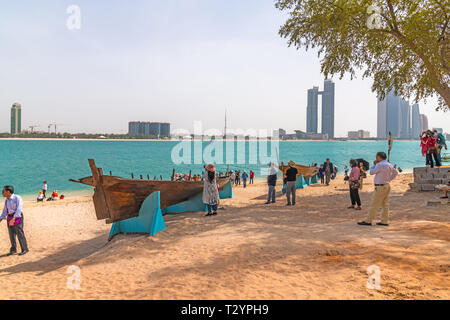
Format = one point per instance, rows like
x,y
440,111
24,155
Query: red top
x,y
252,174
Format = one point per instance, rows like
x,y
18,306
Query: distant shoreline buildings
x,y
360,134
395,115
16,118
155,129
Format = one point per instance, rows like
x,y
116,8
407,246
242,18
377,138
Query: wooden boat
x,y
117,199
305,171
445,157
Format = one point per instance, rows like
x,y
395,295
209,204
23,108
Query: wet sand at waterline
x,y
250,250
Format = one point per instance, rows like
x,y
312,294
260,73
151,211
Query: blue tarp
x,y
150,220
301,183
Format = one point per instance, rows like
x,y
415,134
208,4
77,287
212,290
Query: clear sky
x,y
173,60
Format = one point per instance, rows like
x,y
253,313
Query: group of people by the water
x,y
383,171
327,172
42,194
236,177
432,143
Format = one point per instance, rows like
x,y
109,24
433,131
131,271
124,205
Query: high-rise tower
x,y
16,118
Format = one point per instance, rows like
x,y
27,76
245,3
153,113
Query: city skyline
x,y
217,56
395,115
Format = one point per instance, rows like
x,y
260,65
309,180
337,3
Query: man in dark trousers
x,y
271,182
291,179
12,212
328,168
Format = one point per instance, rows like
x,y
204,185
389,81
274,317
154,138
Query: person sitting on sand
x,y
54,196
445,188
210,190
40,196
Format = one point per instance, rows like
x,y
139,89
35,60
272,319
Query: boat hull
x,y
117,199
305,171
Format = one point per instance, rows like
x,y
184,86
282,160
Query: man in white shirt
x,y
12,212
384,173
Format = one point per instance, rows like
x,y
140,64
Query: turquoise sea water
x,y
25,164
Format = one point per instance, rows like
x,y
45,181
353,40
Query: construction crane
x,y
32,128
55,125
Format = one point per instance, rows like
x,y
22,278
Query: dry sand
x,y
249,251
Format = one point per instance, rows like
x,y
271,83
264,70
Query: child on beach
x,y
41,196
44,188
322,174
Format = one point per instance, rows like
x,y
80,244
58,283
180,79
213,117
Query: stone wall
x,y
426,179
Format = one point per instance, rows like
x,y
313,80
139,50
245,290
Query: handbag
x,y
355,184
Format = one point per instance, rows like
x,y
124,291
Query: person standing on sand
x,y
353,181
291,179
232,176
271,182
244,178
210,190
252,177
321,174
328,168
44,188
362,175
12,212
384,173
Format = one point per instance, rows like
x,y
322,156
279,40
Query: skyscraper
x,y
328,108
405,119
312,116
16,118
389,116
382,119
415,121
423,122
312,113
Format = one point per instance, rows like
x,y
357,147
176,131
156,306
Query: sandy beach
x,y
250,250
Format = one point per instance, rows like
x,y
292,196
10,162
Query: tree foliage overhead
x,y
402,44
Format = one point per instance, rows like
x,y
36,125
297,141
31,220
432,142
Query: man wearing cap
x,y
12,212
384,173
291,179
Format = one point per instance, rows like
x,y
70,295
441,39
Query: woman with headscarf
x,y
210,190
354,182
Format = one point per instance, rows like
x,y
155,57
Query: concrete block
x,y
427,187
429,181
438,203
